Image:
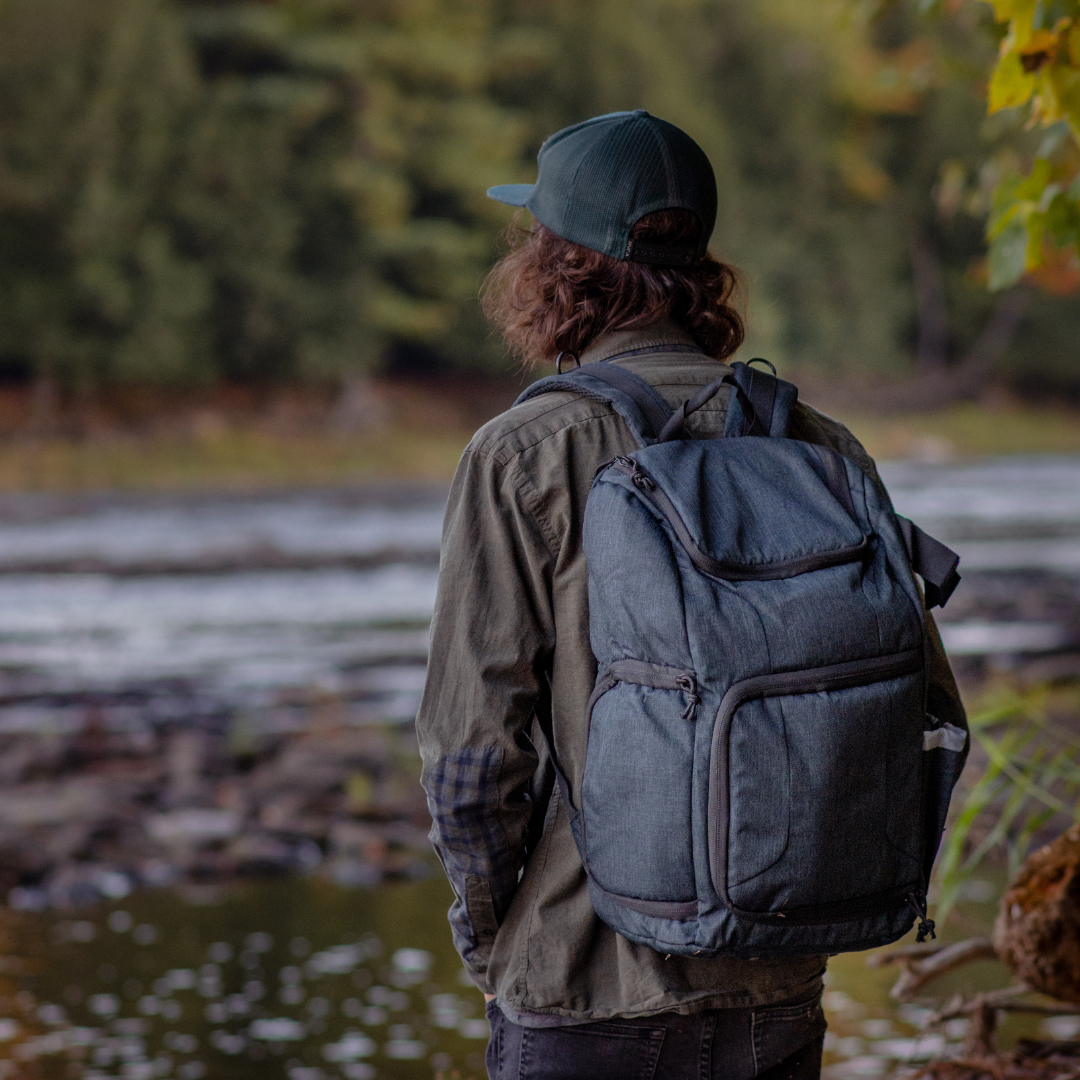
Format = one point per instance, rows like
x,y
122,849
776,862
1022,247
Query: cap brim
x,y
511,194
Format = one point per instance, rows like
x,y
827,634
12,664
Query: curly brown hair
x,y
547,295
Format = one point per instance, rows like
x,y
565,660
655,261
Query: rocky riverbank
x,y
95,813
200,688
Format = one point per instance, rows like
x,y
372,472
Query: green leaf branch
x,y
1035,220
1029,788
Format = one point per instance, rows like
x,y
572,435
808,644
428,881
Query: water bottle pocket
x,y
944,748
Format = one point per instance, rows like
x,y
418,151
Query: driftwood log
x,y
1037,932
1037,936
921,964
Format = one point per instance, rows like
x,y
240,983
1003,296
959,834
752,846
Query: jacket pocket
x,y
637,788
815,782
945,750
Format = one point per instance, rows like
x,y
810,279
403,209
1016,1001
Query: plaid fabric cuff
x,y
467,831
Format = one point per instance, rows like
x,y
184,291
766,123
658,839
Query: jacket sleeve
x,y
491,640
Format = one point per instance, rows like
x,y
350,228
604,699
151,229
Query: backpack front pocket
x,y
636,791
815,808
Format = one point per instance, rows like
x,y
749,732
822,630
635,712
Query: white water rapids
x,y
232,601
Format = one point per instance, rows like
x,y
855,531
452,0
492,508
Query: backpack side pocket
x,y
945,751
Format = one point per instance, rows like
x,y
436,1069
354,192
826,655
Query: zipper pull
x,y
638,477
926,926
689,687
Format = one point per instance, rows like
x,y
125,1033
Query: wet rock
x,y
22,757
358,839
284,811
354,873
165,781
81,884
181,805
185,757
193,826
29,805
262,854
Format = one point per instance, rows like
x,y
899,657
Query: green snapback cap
x,y
597,179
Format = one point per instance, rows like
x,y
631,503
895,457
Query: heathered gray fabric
x,y
509,644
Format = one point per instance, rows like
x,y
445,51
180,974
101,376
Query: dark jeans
x,y
778,1042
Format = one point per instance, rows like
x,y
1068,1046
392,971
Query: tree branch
x,y
920,968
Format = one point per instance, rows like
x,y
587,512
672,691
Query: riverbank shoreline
x,y
103,810
202,687
390,430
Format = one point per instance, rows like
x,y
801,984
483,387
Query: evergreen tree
x,y
93,284
198,190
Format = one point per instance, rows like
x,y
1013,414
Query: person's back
x,y
511,668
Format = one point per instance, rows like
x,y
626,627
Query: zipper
x,y
643,673
785,568
926,926
689,687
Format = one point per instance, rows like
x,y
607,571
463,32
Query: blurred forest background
x,y
236,196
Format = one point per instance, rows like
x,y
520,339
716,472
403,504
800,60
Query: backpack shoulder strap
x,y
643,409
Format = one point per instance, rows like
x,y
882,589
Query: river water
x,y
150,611
203,604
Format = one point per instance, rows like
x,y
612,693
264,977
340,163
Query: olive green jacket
x,y
510,658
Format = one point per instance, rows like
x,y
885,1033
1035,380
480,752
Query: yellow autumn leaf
x,y
1044,103
1036,229
1040,50
1010,85
1039,40
1022,19
1004,10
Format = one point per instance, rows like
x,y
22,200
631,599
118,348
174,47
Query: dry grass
x,y
235,459
969,430
234,440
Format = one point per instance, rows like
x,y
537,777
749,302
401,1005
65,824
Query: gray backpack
x,y
762,776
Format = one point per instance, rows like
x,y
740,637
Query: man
x,y
615,269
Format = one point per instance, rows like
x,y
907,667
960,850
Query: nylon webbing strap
x,y
676,426
771,401
761,390
656,409
934,562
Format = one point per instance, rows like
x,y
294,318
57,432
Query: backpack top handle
x,y
760,404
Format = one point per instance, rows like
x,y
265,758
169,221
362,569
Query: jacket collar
x,y
649,337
